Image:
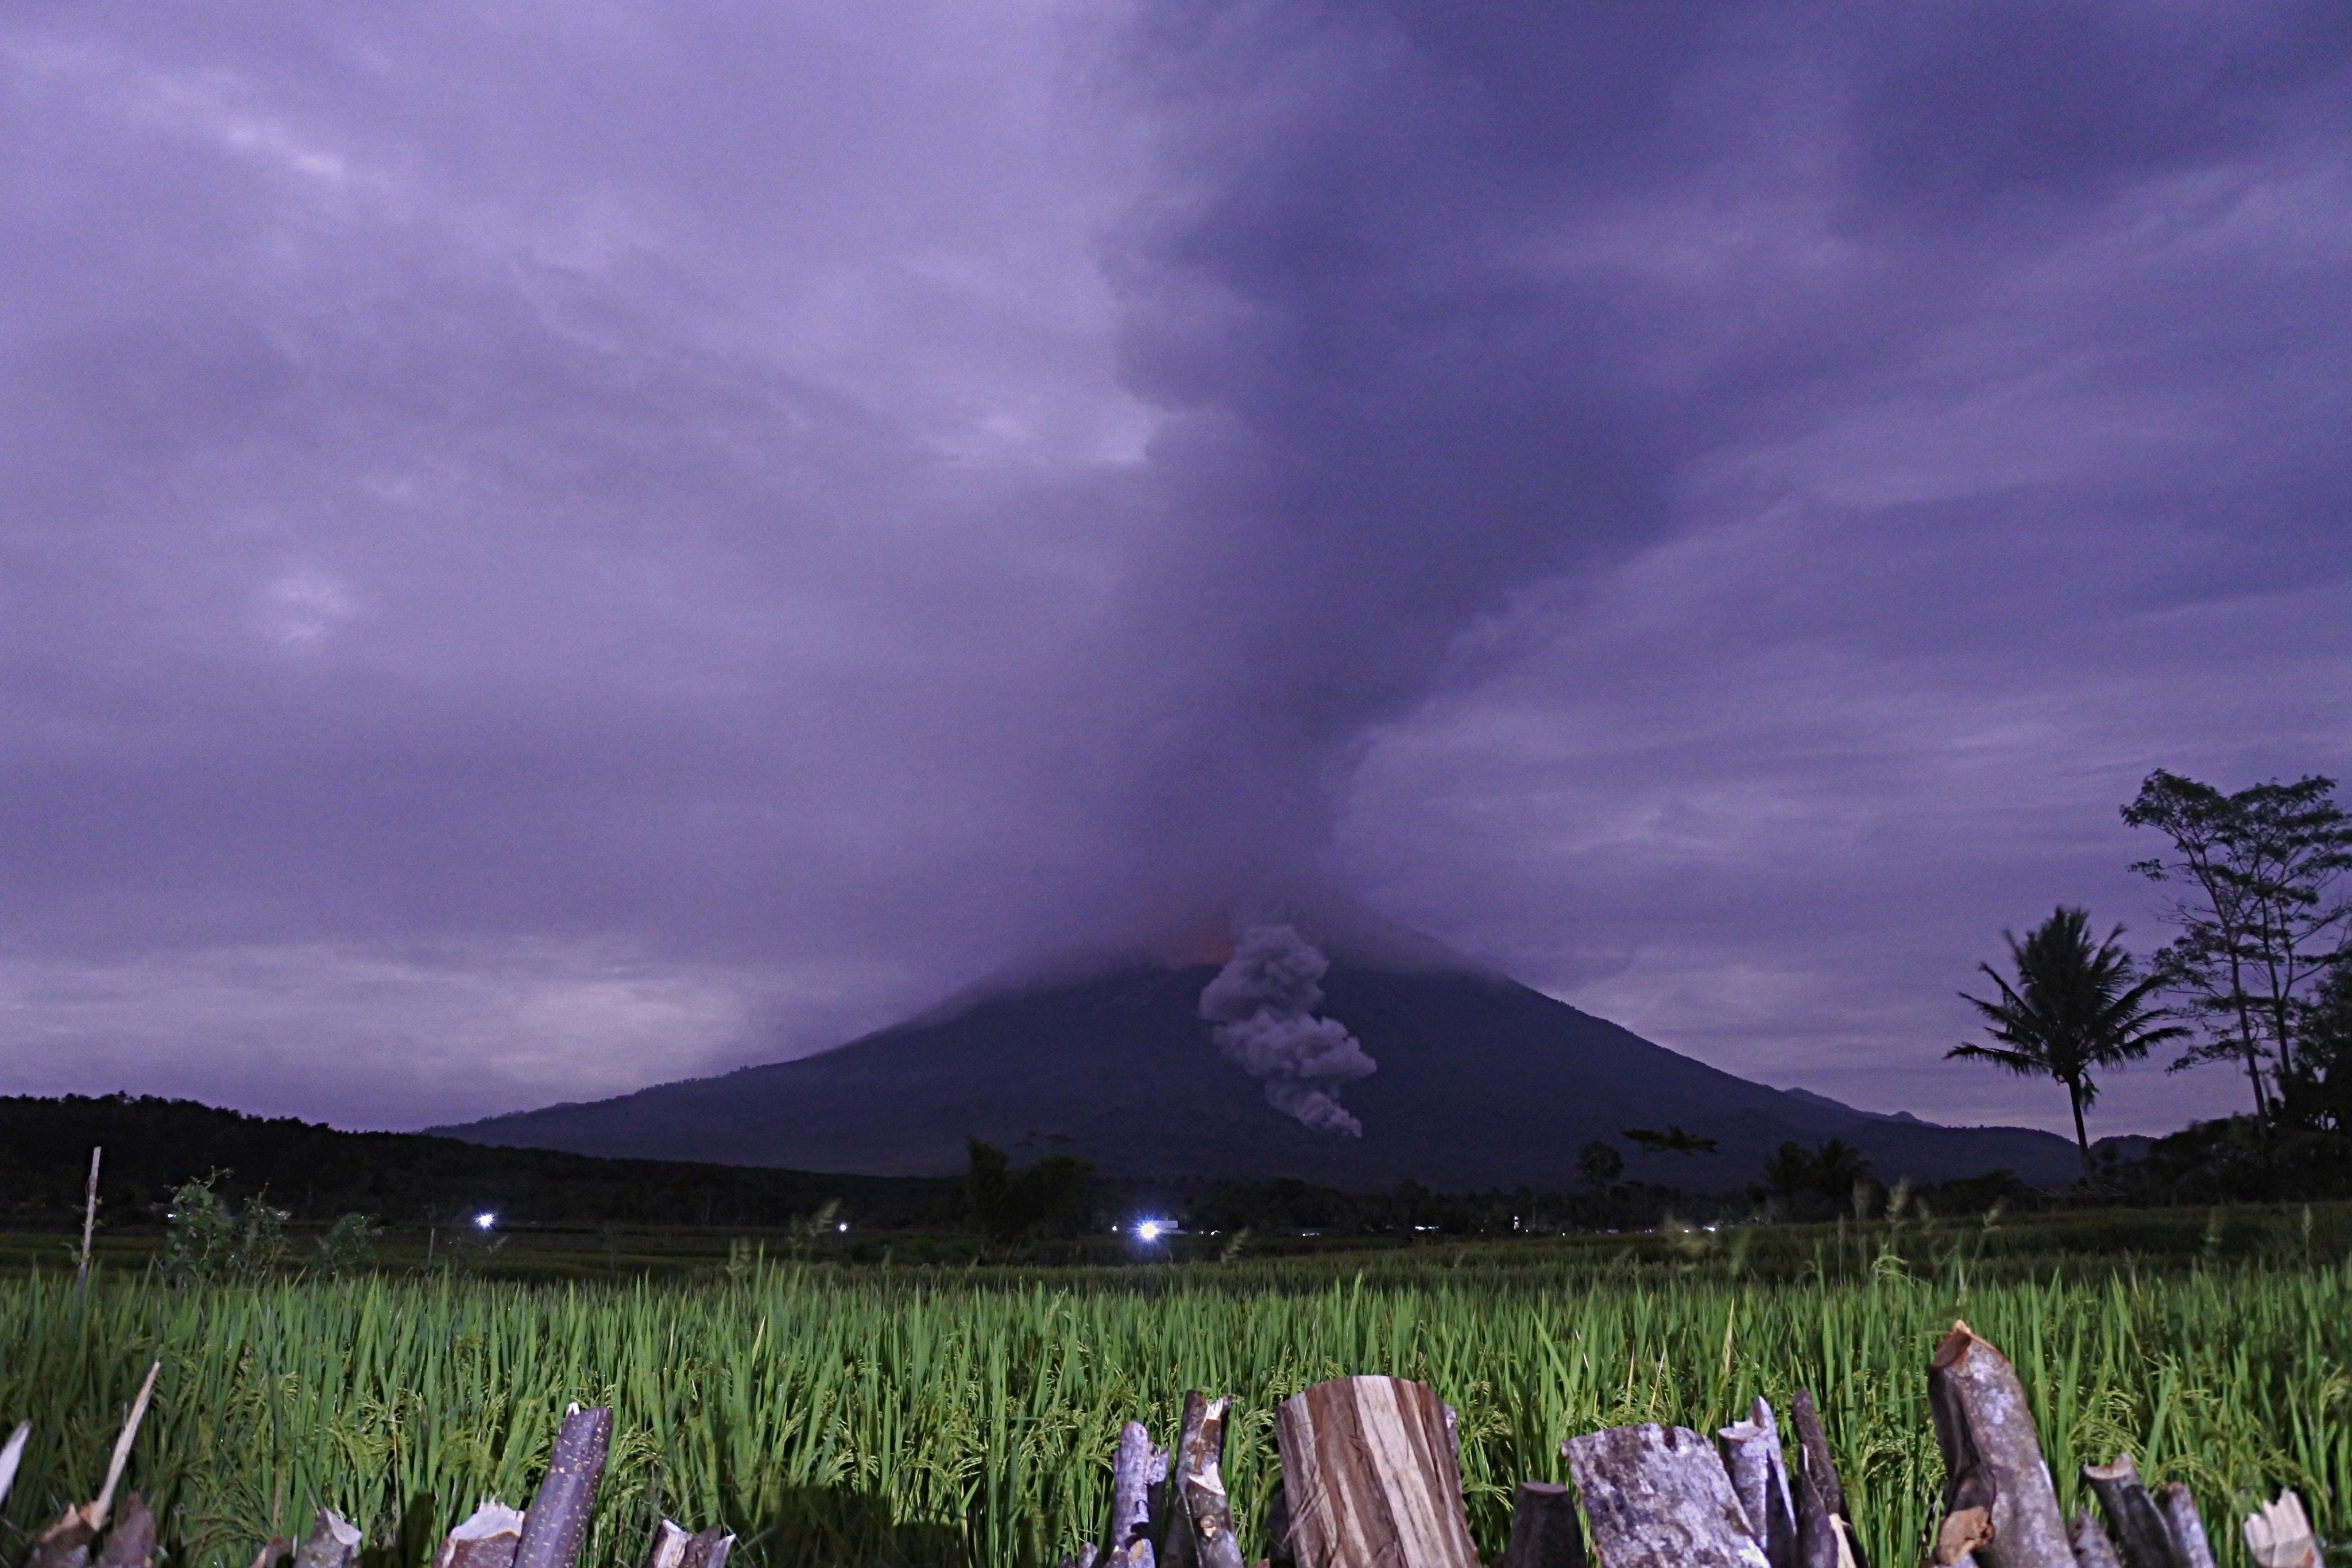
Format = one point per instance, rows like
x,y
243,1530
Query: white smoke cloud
x,y
1262,1004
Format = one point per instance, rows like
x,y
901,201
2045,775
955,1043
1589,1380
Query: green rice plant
x,y
952,1416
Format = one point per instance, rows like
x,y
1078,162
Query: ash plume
x,y
1263,1003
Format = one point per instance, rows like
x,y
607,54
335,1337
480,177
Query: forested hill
x,y
318,1173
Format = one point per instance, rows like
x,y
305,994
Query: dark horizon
x,y
556,552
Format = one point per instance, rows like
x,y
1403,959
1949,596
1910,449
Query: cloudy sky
x,y
548,548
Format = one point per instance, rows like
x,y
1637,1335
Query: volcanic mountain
x,y
1481,1082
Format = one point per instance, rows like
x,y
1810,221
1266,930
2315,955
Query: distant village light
x,y
485,1220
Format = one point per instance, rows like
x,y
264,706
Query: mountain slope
x,y
1481,1082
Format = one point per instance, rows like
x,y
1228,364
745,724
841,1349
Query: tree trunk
x,y
333,1542
1998,1503
1544,1532
558,1520
1200,1518
1658,1497
1369,1477
1759,1480
1825,1537
2134,1522
2188,1529
2091,1547
2082,1137
1131,1478
489,1535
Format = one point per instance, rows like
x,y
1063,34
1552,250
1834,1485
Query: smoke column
x,y
1262,1004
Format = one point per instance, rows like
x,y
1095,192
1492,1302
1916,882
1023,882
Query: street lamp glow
x,y
485,1220
1150,1229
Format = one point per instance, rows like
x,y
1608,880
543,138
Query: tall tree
x,y
2261,916
2075,1007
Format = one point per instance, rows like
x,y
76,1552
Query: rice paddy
x,y
834,1415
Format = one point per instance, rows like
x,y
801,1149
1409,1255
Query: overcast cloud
x,y
550,550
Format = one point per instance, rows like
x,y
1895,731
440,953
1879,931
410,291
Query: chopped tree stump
x,y
1658,1497
1200,1518
1369,1477
274,1550
2278,1534
1825,1537
488,1537
333,1542
1759,1480
1544,1531
1998,1503
2091,1547
2135,1525
2188,1529
132,1542
557,1522
1135,1469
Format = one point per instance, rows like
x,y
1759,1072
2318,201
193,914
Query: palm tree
x,y
2074,1007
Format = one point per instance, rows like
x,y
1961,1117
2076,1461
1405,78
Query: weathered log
x,y
1544,1531
557,1522
2278,1534
1277,1526
274,1550
1200,1517
709,1548
1173,1530
2179,1511
132,1542
667,1551
1369,1476
1759,1480
2092,1548
1130,1494
1657,1496
2135,1525
333,1542
1825,1537
488,1538
12,1453
1998,1503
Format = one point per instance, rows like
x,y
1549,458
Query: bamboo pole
x,y
557,1522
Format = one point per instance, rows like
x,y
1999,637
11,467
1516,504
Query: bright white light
x,y
485,1220
842,1225
1149,1230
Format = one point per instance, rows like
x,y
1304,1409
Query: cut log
x,y
1173,1531
1131,1493
1998,1503
1369,1477
2278,1534
1759,1480
12,1453
2091,1547
2188,1529
274,1550
68,1543
132,1542
1658,1497
488,1539
1544,1531
557,1523
668,1550
2135,1525
1200,1518
333,1542
1277,1526
709,1548
1825,1537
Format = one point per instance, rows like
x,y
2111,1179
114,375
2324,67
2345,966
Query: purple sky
x,y
548,548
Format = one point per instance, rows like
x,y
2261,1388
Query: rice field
x,y
846,1416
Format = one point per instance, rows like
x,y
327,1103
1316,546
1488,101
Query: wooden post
x,y
489,1536
1658,1497
2188,1529
1759,1480
89,1217
333,1542
1369,1477
2091,1547
2278,1534
1201,1519
1130,1497
1544,1531
1825,1537
132,1542
1998,1503
557,1523
2135,1525
709,1548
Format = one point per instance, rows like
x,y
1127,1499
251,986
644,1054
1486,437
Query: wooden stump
x,y
489,1536
1658,1497
557,1523
2179,1511
2279,1535
333,1542
1759,1480
1544,1531
1825,1537
1998,1503
1370,1478
2136,1525
2091,1547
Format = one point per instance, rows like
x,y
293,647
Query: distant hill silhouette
x,y
1483,1082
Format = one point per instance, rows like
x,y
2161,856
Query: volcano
x,y
1481,1082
